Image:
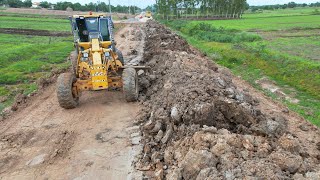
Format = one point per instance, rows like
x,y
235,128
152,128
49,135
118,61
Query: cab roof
x,y
89,15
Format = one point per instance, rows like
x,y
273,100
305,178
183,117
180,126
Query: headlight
x,y
107,54
85,55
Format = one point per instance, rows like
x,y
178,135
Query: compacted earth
x,y
194,120
200,122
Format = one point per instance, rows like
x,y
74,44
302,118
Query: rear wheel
x,y
130,84
120,56
66,98
74,64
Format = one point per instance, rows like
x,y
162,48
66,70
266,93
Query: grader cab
x,y
99,64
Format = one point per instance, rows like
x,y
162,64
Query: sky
x,y
145,3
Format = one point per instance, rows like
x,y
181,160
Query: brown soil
x,y
33,32
201,122
97,140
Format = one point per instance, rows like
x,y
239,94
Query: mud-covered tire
x,y
74,64
130,84
120,56
65,96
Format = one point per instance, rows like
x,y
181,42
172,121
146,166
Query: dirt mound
x,y
33,32
166,40
198,125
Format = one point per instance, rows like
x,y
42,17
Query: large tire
x,y
66,98
74,63
130,84
120,56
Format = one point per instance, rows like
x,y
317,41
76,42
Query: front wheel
x,y
66,98
130,84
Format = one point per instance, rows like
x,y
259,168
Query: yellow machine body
x,y
98,72
148,14
99,64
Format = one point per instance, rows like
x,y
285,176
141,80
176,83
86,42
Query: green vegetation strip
x,y
49,24
28,58
247,55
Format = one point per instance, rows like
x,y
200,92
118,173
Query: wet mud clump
x,y
197,124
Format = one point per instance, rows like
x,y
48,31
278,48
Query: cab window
x,y
92,24
104,29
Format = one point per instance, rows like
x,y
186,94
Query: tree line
x,y
16,3
217,8
284,6
102,6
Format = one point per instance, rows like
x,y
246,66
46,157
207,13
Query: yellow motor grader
x,y
99,64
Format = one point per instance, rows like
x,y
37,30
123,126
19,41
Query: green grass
x,y
50,24
299,18
28,58
286,53
252,67
304,47
269,23
25,59
42,16
283,12
207,32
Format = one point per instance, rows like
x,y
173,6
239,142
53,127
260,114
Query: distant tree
x,y
317,4
63,5
284,6
27,3
292,5
77,7
149,8
45,4
91,6
3,2
304,4
247,6
15,3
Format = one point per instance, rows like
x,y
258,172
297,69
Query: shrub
x,y
247,37
315,12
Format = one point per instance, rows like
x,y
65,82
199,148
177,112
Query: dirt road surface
x,y
97,140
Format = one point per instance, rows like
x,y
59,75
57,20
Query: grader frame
x,y
99,64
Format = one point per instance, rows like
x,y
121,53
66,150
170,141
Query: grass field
x,y
281,45
25,58
50,24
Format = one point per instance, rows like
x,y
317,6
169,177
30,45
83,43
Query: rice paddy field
x,y
27,58
276,51
36,23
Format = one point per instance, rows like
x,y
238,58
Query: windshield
x,y
104,29
92,24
